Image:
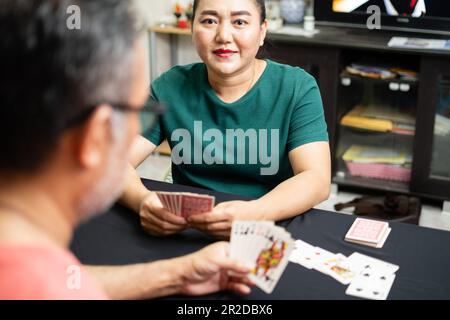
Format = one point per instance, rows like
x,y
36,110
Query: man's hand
x,y
156,220
207,271
218,222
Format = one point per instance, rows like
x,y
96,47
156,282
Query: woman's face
x,y
227,34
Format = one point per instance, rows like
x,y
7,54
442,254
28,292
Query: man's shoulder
x,y
28,272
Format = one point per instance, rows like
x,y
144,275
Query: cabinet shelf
x,y
377,133
374,184
423,98
345,75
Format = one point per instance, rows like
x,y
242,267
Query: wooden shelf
x,y
171,30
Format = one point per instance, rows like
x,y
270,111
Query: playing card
x,y
186,204
263,245
383,240
178,198
302,254
320,258
361,262
196,204
371,284
172,203
339,268
272,259
164,198
366,230
239,240
234,240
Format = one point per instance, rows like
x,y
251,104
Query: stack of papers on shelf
x,y
381,72
378,163
404,121
417,43
362,154
386,112
380,118
355,119
370,72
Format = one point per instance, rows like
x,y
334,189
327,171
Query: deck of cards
x,y
186,204
367,232
367,277
263,245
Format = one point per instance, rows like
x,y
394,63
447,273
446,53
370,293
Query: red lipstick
x,y
224,53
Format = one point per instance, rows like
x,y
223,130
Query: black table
x,y
423,254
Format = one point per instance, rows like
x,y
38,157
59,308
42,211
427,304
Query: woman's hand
x,y
219,221
156,220
207,271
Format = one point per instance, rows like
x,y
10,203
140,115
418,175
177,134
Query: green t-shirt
x,y
241,147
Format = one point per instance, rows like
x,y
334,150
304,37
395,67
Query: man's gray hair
x,y
51,73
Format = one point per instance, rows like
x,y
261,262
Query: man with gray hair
x,y
70,102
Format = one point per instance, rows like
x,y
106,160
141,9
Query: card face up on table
x,y
367,277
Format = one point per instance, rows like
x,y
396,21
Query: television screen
x,y
410,8
431,16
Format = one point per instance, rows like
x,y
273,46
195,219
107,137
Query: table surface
x,y
423,254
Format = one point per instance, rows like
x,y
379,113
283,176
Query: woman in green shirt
x,y
236,124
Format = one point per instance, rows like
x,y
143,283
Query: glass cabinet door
x,y
440,161
376,129
431,168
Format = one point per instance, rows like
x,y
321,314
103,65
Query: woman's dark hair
x,y
261,4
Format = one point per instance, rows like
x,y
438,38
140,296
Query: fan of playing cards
x,y
264,246
186,204
368,277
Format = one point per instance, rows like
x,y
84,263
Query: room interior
x,y
374,87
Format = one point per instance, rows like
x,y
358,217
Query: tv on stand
x,y
417,16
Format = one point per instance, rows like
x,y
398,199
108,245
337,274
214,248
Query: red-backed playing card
x,y
196,204
365,230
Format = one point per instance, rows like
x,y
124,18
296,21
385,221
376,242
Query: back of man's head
x,y
53,70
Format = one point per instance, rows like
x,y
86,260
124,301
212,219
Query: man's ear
x,y
95,137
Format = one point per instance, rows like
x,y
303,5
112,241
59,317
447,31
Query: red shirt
x,y
42,273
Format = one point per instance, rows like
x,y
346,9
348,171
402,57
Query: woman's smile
x,y
225,53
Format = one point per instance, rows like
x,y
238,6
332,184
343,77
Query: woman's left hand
x,y
219,221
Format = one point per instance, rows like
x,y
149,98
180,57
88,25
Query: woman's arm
x,y
310,185
135,192
155,219
140,150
